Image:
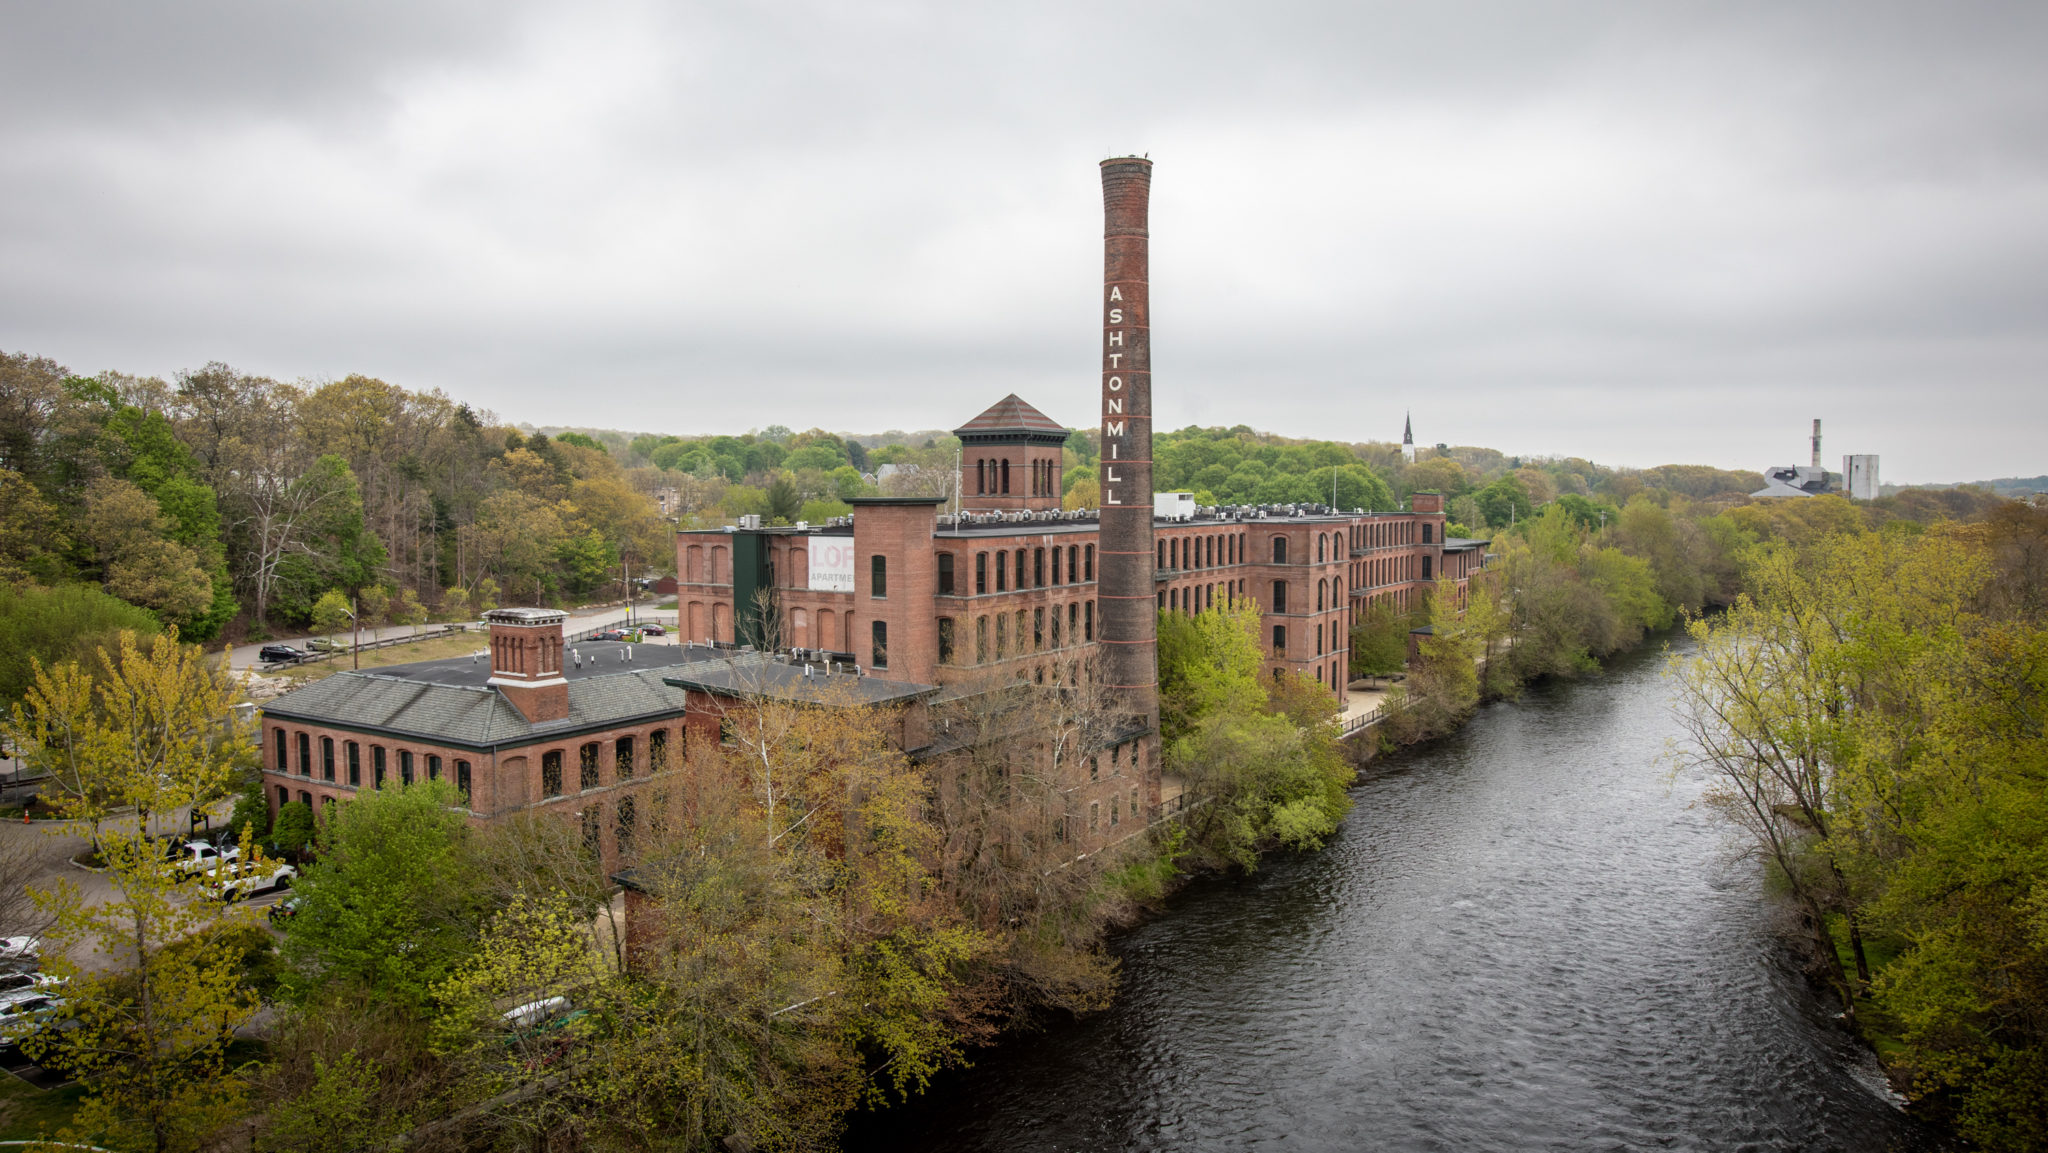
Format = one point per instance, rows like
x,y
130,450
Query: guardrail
x,y
1377,714
633,622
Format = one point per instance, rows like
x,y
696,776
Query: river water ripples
x,y
1526,936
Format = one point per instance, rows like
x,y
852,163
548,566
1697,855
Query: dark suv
x,y
281,654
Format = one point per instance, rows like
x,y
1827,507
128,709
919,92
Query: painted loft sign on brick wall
x,y
832,564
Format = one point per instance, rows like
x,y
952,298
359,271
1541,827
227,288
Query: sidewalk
x,y
1359,702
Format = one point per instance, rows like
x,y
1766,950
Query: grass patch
x,y
1874,1023
27,1112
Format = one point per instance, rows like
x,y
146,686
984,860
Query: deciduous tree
x,y
148,1035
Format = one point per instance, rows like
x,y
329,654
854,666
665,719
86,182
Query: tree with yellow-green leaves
x,y
154,730
1261,765
1871,714
146,1029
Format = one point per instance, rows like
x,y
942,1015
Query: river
x,y
1526,936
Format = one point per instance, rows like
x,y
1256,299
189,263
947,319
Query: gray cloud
x,y
1639,234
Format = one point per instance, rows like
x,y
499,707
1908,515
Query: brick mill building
x,y
1010,584
901,605
528,723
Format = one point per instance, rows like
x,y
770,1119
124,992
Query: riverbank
x,y
1526,935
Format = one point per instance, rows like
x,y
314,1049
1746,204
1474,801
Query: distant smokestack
x,y
1130,625
1816,442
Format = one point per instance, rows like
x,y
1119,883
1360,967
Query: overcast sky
x,y
1640,233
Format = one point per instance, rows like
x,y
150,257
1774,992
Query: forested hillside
x,y
228,504
223,497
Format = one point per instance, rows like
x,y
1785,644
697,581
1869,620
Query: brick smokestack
x,y
1130,624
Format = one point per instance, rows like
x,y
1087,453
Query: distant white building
x,y
1859,476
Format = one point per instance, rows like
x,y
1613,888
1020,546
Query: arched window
x,y
1322,545
1279,550
1006,476
980,476
1322,587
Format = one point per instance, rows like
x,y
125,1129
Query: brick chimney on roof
x,y
526,661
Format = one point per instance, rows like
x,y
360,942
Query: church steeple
x,y
1408,437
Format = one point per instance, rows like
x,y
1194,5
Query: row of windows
x,y
352,755
1023,568
1179,552
1389,570
1034,630
1389,533
590,762
1199,598
993,476
1229,548
1280,640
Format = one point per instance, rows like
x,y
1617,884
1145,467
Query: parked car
x,y
323,645
535,1012
653,631
284,910
194,857
234,880
20,948
611,635
26,1012
14,982
281,654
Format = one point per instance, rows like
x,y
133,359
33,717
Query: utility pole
x,y
355,635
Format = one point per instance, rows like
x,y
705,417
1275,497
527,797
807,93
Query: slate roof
x,y
447,702
1010,416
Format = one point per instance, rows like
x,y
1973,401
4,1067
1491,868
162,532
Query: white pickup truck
x,y
200,857
234,880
